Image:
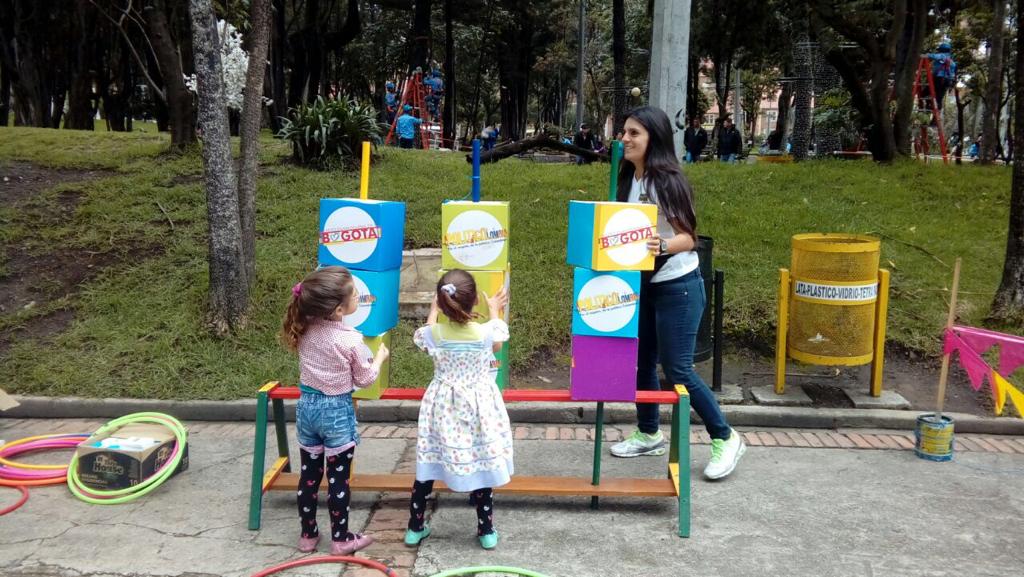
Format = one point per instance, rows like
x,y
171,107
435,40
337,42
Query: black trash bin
x,y
709,334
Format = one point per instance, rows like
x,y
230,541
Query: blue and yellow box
x,y
474,235
378,301
365,234
608,236
605,304
488,282
375,390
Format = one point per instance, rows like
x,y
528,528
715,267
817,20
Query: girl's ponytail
x,y
293,326
456,296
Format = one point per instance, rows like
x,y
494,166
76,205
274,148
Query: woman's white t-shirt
x,y
679,263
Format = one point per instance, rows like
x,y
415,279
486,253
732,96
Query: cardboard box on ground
x,y
126,457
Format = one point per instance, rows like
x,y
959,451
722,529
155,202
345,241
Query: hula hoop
x,y
488,569
14,474
4,452
116,497
326,559
21,501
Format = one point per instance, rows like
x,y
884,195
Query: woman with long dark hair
x,y
672,296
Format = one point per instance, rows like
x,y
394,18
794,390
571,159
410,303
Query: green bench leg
x,y
598,436
258,461
679,455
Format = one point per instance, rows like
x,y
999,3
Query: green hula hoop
x,y
491,569
99,497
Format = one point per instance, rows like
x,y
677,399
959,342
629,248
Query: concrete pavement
x,y
872,508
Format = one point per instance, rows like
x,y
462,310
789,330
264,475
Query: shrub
x,y
329,133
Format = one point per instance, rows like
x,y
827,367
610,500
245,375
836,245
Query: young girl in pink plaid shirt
x,y
333,362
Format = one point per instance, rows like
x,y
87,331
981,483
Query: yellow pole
x,y
944,373
780,332
364,176
881,317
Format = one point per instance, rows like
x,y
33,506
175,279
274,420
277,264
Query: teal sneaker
x,y
413,538
490,540
640,443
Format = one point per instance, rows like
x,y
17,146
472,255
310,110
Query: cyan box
x,y
365,234
603,369
605,304
378,301
375,390
474,235
611,235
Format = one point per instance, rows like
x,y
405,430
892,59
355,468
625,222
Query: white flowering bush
x,y
234,63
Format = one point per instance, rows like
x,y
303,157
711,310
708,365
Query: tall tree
x,y
908,53
448,130
258,41
993,90
229,294
515,60
420,55
1008,305
869,25
181,111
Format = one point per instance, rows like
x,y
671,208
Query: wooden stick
x,y
944,373
167,216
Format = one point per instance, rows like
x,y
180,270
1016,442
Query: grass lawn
x,y
138,326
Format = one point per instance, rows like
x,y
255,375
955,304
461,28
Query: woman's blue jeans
x,y
670,314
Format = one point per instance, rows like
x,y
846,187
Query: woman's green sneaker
x,y
413,538
640,443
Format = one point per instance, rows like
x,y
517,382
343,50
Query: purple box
x,y
603,369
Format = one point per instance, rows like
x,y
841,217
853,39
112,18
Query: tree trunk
x,y
5,94
420,54
448,130
908,55
880,138
961,105
80,115
180,112
515,59
278,94
802,98
229,295
1008,305
781,122
619,65
539,140
257,40
993,90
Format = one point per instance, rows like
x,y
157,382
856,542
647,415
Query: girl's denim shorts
x,y
326,423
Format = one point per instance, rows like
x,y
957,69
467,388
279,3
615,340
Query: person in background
x,y
943,72
390,102
694,140
729,142
406,127
584,139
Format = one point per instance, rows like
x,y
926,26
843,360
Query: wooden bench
x,y
676,484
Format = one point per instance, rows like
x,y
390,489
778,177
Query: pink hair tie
x,y
297,289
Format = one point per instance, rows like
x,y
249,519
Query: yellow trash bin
x,y
836,298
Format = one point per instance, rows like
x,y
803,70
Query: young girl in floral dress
x,y
464,437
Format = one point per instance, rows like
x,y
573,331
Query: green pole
x,y
613,178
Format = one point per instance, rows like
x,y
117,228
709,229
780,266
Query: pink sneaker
x,y
308,544
349,547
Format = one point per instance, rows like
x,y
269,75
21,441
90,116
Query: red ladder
x,y
414,93
924,98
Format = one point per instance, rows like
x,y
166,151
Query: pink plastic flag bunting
x,y
1011,347
976,367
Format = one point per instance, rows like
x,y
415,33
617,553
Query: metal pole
x,y
736,108
476,170
579,65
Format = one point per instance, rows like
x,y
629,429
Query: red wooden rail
x,y
531,395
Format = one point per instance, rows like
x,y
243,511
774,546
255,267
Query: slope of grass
x,y
139,326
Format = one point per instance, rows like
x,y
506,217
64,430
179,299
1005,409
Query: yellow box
x,y
375,390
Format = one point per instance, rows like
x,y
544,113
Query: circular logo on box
x,y
350,234
625,235
607,303
366,301
475,238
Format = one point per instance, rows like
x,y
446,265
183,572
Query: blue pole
x,y
476,170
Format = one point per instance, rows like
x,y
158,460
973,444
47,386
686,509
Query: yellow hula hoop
x,y
16,464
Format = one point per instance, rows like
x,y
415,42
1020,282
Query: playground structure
x,y
415,93
925,101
